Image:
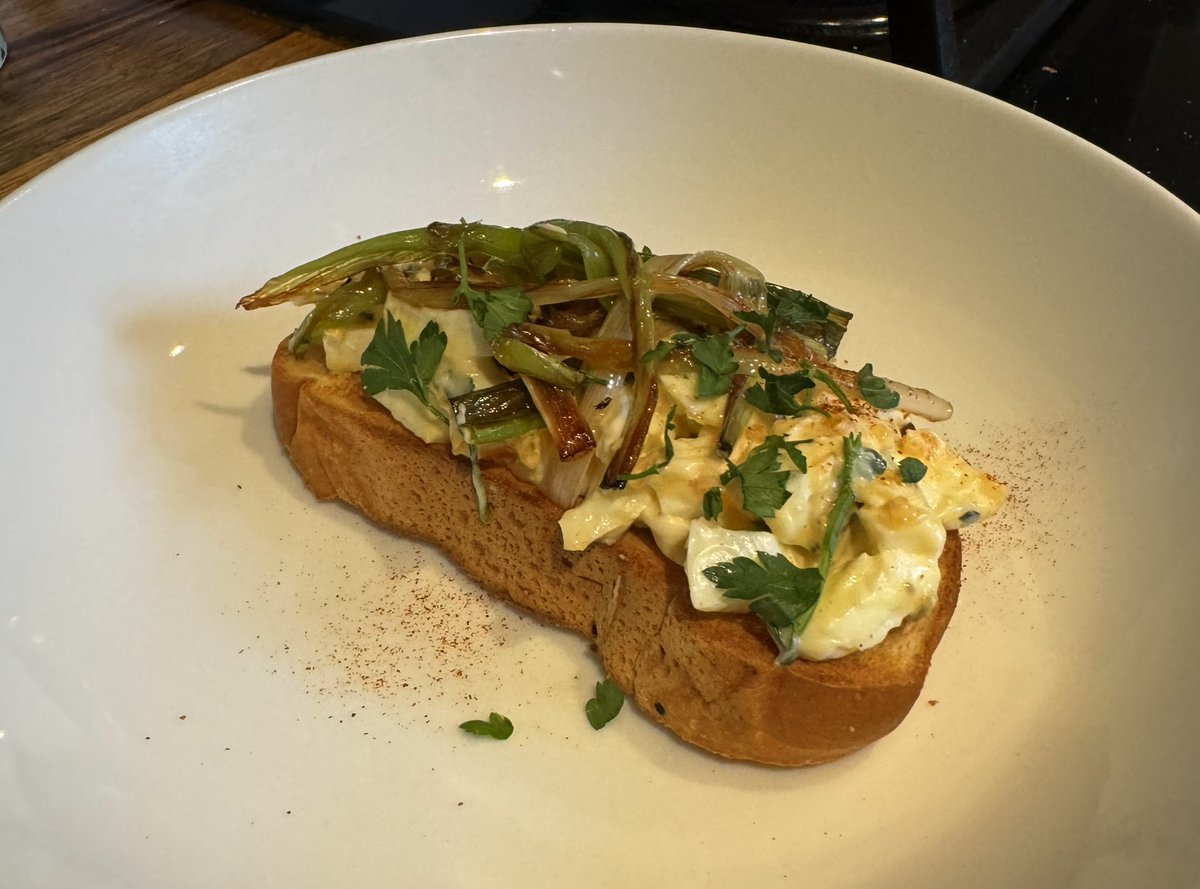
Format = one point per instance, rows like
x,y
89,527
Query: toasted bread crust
x,y
710,678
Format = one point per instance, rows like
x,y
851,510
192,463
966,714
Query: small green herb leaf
x,y
785,308
492,311
768,322
912,470
666,347
776,393
390,362
714,354
843,504
779,592
764,484
783,595
794,307
832,385
668,451
875,390
713,504
495,726
604,707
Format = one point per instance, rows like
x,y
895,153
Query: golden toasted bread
x,y
711,679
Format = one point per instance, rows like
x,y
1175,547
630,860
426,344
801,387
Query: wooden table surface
x,y
79,69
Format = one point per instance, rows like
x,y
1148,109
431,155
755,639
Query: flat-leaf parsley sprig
x,y
776,393
780,593
492,311
764,483
843,504
713,355
390,362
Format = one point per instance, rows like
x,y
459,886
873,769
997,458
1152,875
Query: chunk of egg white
x,y
800,521
344,347
695,468
467,362
902,521
410,413
709,544
603,515
951,485
866,599
680,388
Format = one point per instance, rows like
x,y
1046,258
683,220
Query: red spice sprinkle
x,y
404,632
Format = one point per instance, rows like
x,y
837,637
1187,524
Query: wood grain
x,y
80,69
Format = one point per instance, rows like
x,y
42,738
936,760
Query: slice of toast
x,y
710,678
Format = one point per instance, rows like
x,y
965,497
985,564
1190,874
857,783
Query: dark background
x,y
1123,74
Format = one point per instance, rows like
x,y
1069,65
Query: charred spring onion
x,y
564,365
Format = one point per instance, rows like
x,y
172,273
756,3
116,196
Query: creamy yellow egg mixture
x,y
885,566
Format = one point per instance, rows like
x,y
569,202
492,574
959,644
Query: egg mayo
x,y
884,568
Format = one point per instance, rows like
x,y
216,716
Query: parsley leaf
x,y
843,504
776,394
778,591
794,307
768,322
713,355
875,390
789,447
604,707
783,595
493,311
764,484
713,503
668,452
785,308
496,726
390,362
912,470
666,347
830,382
